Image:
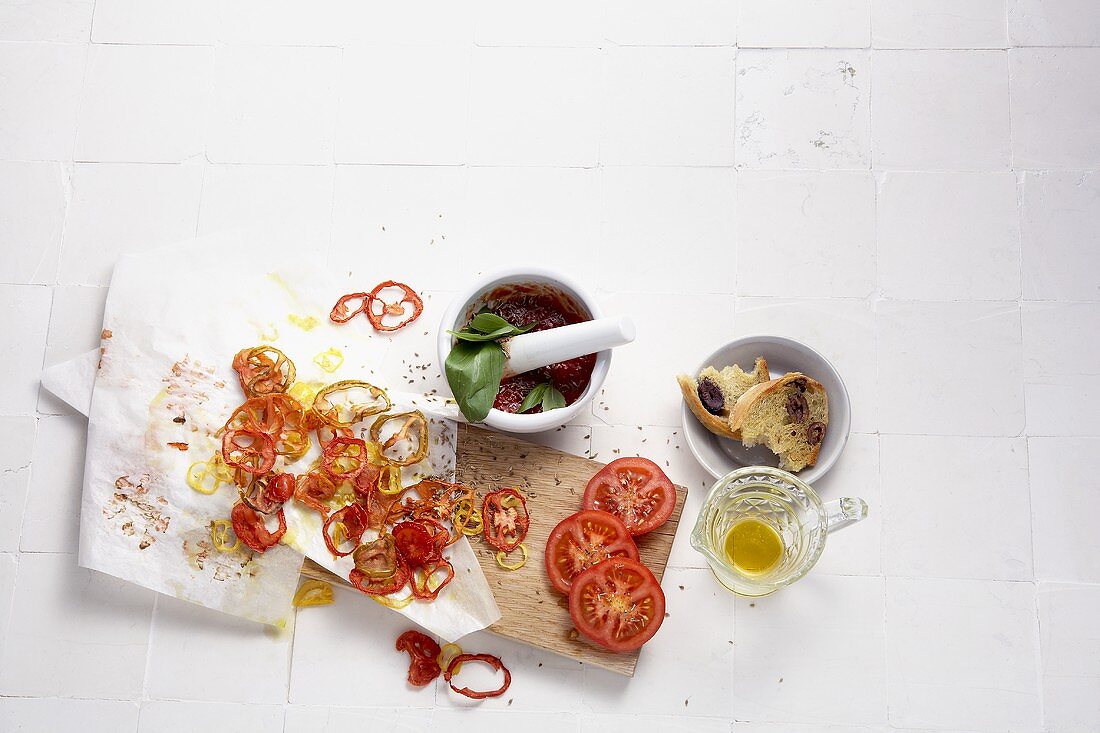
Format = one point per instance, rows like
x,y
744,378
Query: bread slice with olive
x,y
789,415
712,395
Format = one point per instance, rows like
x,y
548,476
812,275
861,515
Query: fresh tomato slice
x,y
582,540
635,490
618,604
506,519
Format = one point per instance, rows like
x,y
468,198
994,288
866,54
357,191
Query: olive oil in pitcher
x,y
753,547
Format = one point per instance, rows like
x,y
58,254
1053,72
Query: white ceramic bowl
x,y
467,302
720,455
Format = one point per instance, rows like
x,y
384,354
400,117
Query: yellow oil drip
x,y
306,323
329,360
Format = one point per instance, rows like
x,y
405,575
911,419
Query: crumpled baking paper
x,y
163,385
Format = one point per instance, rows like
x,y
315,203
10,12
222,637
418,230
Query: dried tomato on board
x,y
249,526
380,587
314,489
265,494
396,308
377,560
354,520
420,579
489,659
422,650
506,519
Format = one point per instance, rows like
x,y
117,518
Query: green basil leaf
x,y
474,371
552,399
487,323
475,337
534,397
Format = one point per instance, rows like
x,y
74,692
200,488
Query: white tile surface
x,y
1061,405
534,106
122,207
359,629
856,550
26,315
53,21
379,212
52,517
76,322
938,24
706,685
963,654
424,94
664,348
170,717
666,447
657,23
570,24
803,109
685,214
1063,502
273,105
414,23
813,652
659,723
168,22
941,110
1054,108
953,368
948,236
667,106
1059,218
32,211
1053,23
279,22
806,233
520,213
956,507
9,566
319,719
1058,339
181,643
477,718
144,104
288,206
63,618
842,330
789,23
16,446
1071,650
59,714
40,84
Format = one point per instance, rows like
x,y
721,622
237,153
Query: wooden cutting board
x,y
532,611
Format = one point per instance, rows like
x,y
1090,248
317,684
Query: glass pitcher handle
x,y
839,513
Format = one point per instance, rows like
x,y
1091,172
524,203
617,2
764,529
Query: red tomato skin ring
x,y
489,659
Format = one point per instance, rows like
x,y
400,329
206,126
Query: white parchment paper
x,y
172,325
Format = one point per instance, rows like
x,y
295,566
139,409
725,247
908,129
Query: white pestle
x,y
538,349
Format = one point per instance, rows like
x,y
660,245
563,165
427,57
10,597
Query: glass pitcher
x,y
775,521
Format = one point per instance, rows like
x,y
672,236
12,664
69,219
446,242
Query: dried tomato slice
x,y
494,662
506,519
249,450
314,489
263,370
354,520
265,494
250,528
421,579
377,560
422,650
344,458
415,543
382,587
346,308
410,421
336,405
396,308
257,413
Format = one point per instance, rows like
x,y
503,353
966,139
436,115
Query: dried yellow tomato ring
x,y
502,557
263,370
337,403
220,532
410,421
313,593
208,476
447,653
